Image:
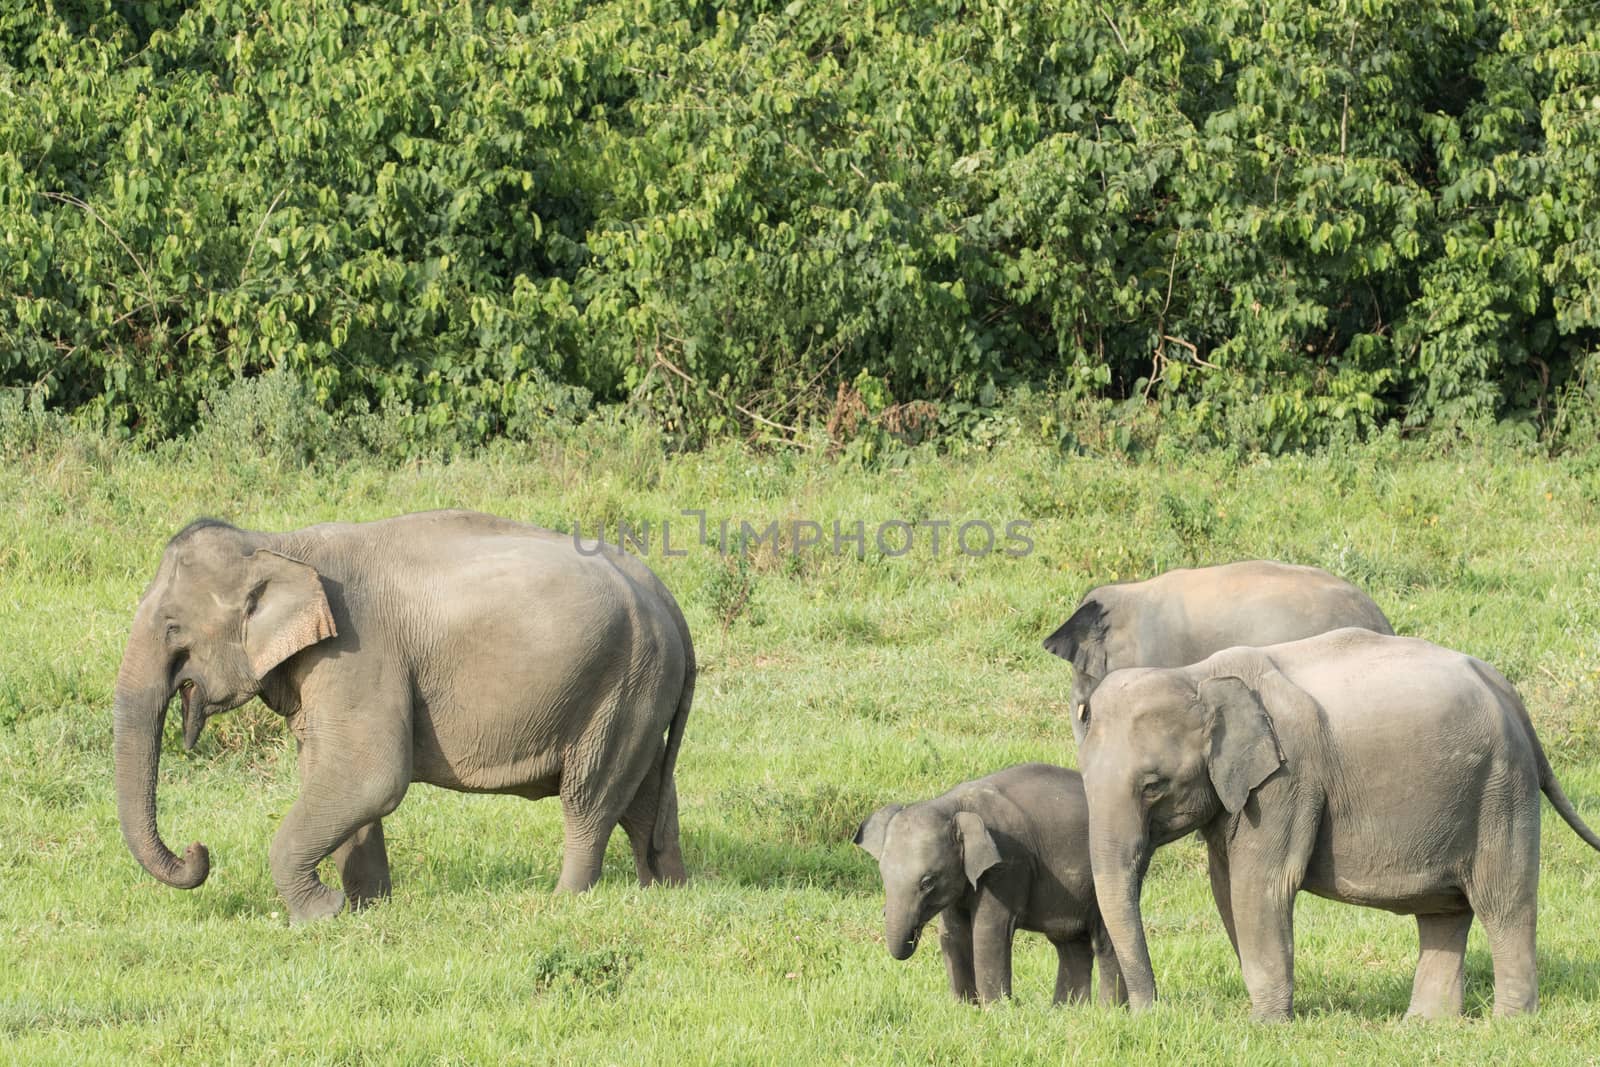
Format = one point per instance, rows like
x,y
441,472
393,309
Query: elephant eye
x,y
927,881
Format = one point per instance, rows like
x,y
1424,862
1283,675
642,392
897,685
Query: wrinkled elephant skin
x,y
449,647
1004,853
1183,616
1376,770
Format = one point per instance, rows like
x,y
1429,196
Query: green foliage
x,y
561,971
1266,222
271,416
25,424
198,192
734,583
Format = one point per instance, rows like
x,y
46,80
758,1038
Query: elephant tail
x,y
1558,798
1547,776
667,801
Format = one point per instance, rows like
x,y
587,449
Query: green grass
x,y
828,686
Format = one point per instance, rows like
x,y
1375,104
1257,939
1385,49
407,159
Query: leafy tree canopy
x,y
1269,220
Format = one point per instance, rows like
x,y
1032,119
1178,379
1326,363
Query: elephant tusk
x,y
194,717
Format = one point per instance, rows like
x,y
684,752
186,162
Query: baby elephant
x,y
991,856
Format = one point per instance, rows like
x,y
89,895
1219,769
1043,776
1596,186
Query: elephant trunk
x,y
1120,855
901,931
140,712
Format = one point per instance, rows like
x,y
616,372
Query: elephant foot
x,y
658,868
669,877
365,889
1271,1015
1504,1008
1137,1005
1429,1013
361,899
326,905
580,865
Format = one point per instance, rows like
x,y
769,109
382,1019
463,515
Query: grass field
x,y
829,685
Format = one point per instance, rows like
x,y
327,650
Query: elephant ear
x,y
869,835
978,851
285,612
1244,749
1081,640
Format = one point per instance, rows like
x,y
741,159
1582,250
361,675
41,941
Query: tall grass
x,y
829,685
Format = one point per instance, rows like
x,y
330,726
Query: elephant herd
x,y
1268,707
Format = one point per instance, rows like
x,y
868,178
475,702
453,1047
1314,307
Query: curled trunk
x,y
141,711
900,933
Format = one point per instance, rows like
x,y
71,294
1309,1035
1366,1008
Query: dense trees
x,y
1267,222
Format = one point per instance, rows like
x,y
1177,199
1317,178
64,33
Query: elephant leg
x,y
363,864
1436,991
1264,917
339,798
583,851
601,780
993,927
639,823
1221,892
955,942
1516,970
1074,970
1504,893
1266,863
667,863
588,815
1113,990
320,821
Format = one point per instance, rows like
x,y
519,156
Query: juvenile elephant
x,y
992,856
1382,771
448,647
1183,616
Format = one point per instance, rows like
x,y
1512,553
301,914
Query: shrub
x,y
1264,222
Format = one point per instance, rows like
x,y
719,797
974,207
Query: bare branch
x,y
1105,14
68,198
1194,353
255,236
793,433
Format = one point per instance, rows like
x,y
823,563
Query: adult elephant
x,y
1381,771
447,647
1183,616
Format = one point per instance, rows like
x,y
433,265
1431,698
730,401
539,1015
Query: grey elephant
x,y
990,857
1375,770
1183,616
448,647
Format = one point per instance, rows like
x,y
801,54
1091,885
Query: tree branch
x,y
793,433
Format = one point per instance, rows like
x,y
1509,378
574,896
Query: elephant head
x,y
222,612
1164,755
930,857
1081,641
